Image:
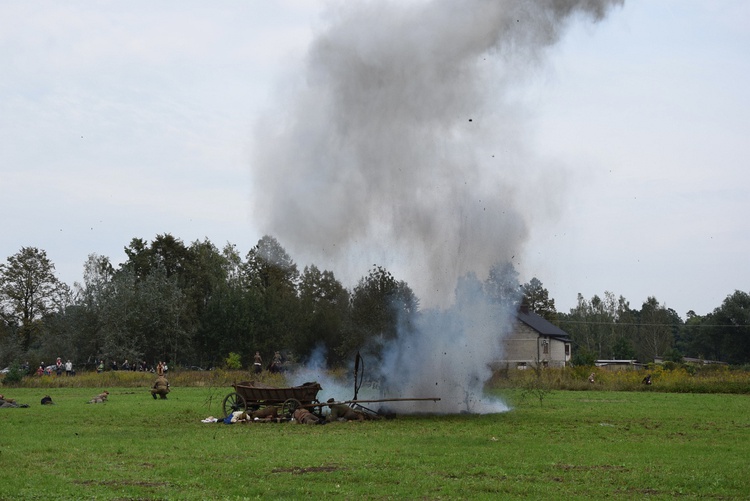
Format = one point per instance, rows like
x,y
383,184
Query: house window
x,y
521,366
567,350
545,347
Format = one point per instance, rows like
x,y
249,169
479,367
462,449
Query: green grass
x,y
578,444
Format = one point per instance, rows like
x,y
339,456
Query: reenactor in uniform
x,y
268,413
276,363
303,416
342,412
7,402
161,388
100,398
258,363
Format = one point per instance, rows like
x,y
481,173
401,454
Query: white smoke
x,y
448,355
400,144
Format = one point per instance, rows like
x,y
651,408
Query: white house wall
x,y
525,346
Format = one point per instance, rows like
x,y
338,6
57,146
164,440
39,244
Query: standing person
x,y
59,366
100,367
160,369
68,368
276,363
258,363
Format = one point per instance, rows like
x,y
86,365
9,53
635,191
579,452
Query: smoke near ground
x,y
399,143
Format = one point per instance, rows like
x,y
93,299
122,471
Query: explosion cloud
x,y
400,143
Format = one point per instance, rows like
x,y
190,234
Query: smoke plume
x,y
400,143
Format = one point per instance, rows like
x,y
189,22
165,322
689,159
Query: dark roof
x,y
543,326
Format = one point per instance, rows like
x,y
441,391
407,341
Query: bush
x,y
233,361
14,375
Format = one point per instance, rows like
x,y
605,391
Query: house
x,y
535,340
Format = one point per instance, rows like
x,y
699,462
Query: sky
x,y
122,120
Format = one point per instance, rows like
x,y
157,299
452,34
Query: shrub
x,y
14,375
233,361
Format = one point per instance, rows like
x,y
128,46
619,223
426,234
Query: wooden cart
x,y
251,396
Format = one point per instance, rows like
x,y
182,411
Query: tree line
x,y
193,305
608,328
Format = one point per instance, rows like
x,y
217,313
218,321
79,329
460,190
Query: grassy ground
x,y
577,444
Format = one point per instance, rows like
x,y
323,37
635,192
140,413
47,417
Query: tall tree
x,y
324,305
227,306
382,309
536,297
502,285
29,290
731,330
144,318
85,319
655,330
591,325
271,273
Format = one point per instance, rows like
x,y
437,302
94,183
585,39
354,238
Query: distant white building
x,y
618,365
535,340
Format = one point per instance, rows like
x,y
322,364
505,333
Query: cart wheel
x,y
233,402
290,406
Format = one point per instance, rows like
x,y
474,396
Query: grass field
x,y
577,445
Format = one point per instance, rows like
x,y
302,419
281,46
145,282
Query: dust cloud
x,y
399,142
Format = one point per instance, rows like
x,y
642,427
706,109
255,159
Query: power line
x,y
630,324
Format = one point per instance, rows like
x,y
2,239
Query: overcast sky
x,y
133,119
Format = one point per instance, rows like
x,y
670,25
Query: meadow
x,y
570,444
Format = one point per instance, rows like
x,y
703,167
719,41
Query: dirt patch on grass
x,y
299,470
601,400
594,467
120,483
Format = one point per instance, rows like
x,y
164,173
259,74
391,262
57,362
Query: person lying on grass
x,y
6,403
100,398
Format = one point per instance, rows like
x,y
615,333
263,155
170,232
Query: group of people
x,y
58,368
6,402
138,365
275,366
339,412
158,390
